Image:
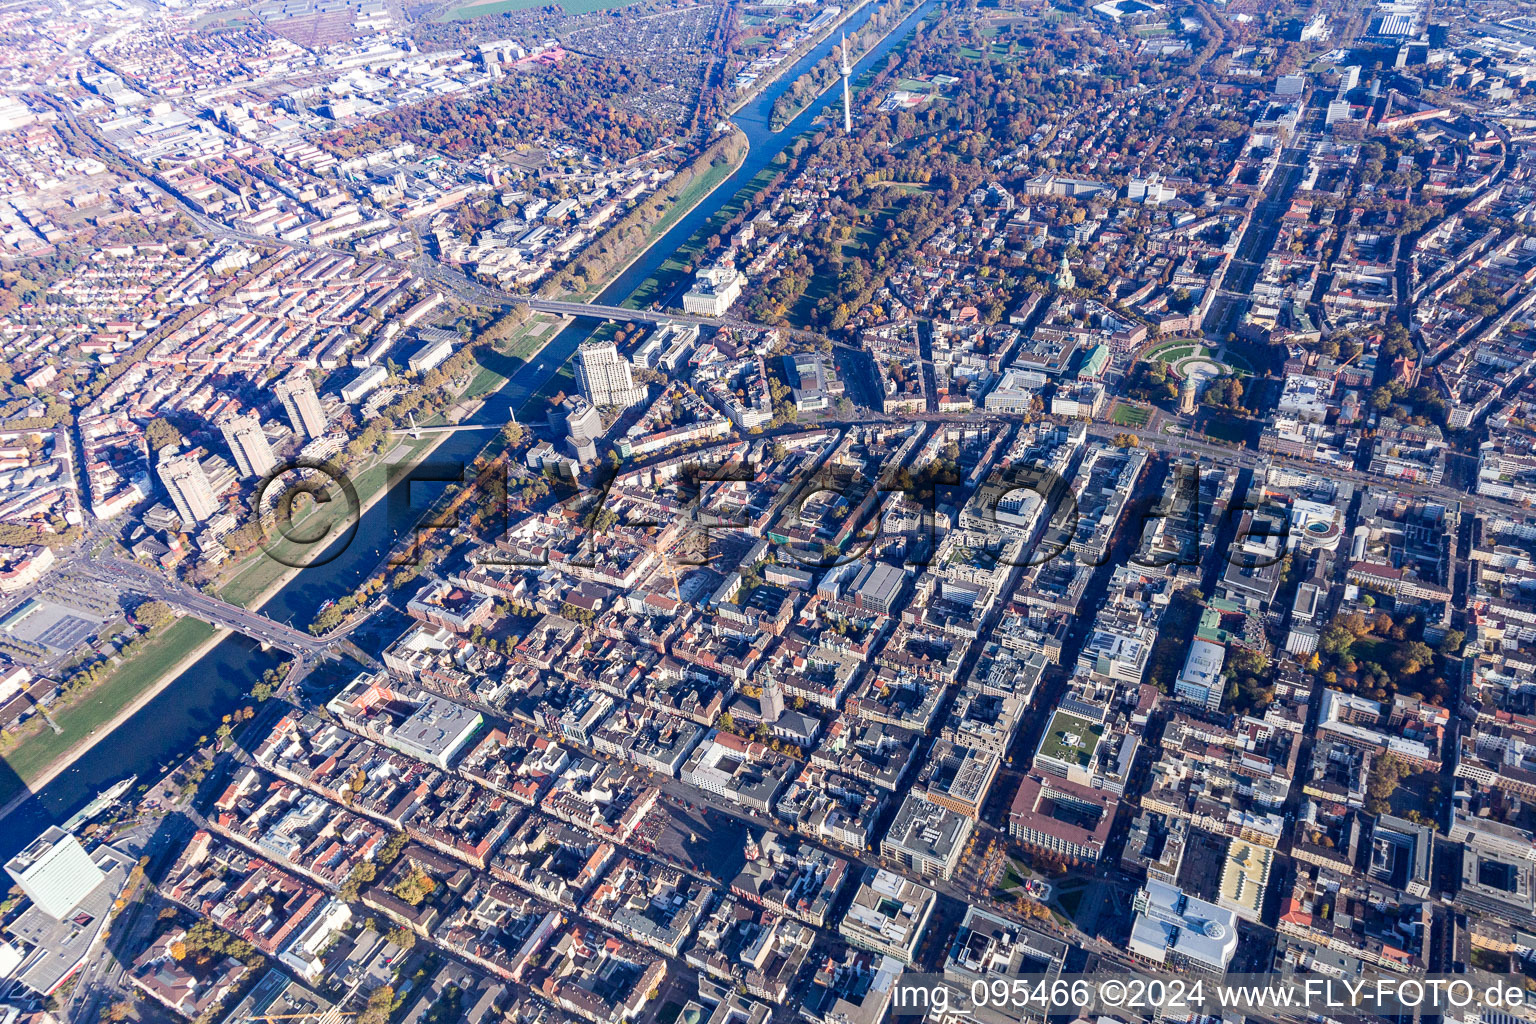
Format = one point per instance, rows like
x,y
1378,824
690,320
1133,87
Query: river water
x,y
194,704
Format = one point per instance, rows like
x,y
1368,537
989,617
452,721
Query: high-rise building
x,y
248,443
189,488
604,376
55,872
301,404
582,427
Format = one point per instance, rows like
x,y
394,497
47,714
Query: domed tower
x,y
1064,278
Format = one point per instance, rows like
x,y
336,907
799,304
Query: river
x,y
194,704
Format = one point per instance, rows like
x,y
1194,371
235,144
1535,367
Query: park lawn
x,y
1130,416
1070,903
533,336
484,382
1240,363
1173,355
1370,648
1228,430
1013,877
33,754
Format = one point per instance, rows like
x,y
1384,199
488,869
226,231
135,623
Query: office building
x,y
248,444
714,290
364,383
581,424
1173,929
989,947
55,872
438,347
604,378
189,488
1058,816
888,914
927,838
1200,680
1244,879
301,404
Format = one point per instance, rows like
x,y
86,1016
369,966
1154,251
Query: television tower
x,y
847,103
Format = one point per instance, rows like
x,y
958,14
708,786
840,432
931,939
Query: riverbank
x,y
372,484
219,681
58,752
251,587
778,125
789,62
703,185
664,280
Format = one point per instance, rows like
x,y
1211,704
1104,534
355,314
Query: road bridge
x,y
123,575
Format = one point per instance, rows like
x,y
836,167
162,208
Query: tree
x,y
1386,774
153,614
415,887
402,937
392,848
1452,644
381,1002
360,876
162,433
1414,658
1336,640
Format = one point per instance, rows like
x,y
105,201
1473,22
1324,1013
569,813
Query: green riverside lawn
x,y
35,754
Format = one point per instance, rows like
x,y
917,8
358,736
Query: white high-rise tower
x,y
847,101
248,444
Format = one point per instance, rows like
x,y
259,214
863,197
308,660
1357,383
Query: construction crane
x,y
318,1016
1340,368
671,567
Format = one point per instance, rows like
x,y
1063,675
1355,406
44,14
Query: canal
x,y
195,703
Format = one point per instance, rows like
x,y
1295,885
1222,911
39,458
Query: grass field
x,y
1130,416
484,382
1012,878
1173,355
463,12
1238,362
32,756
